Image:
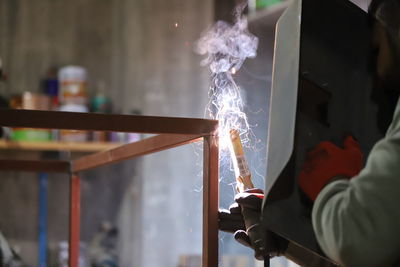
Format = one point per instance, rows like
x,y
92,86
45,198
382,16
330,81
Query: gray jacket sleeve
x,y
357,221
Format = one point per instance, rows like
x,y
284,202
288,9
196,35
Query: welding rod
x,y
242,171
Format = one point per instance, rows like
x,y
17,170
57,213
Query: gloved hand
x,y
244,220
327,161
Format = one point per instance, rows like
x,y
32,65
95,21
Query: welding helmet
x,y
387,13
386,65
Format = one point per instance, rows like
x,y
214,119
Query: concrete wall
x,y
161,76
37,35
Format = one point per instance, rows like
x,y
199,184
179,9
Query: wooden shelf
x,y
58,146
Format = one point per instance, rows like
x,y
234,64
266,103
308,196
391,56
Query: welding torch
x,y
255,230
242,171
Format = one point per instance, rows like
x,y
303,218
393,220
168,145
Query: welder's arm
x,y
357,221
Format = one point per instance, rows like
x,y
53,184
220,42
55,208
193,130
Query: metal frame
x,y
171,132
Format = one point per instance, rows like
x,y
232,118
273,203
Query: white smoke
x,y
226,47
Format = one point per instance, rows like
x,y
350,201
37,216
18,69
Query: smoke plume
x,y
226,47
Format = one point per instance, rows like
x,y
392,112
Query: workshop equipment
x,y
72,80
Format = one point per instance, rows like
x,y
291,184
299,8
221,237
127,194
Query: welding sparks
x,y
226,47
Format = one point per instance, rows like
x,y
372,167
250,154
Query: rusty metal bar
x,y
58,146
143,147
105,122
34,165
74,220
210,201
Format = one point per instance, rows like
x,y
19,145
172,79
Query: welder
x,y
356,214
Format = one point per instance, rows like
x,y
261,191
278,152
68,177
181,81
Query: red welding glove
x,y
328,161
244,220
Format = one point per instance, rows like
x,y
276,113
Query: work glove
x,y
327,162
244,220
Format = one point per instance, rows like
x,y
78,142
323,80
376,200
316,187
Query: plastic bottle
x,y
100,103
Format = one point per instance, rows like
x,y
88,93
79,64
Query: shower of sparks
x,y
226,106
226,47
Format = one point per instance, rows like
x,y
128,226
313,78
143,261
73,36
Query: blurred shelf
x,y
58,146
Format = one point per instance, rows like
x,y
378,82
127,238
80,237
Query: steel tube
x,y
140,148
74,220
43,188
210,201
105,122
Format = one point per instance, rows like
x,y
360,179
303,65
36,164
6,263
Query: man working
x,y
355,215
